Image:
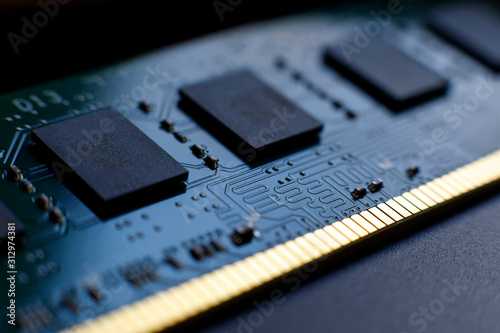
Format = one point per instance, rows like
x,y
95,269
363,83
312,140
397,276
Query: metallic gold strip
x,y
415,201
253,279
491,168
373,219
438,190
363,223
293,260
355,227
306,246
335,234
456,178
279,261
381,215
390,212
473,171
422,197
406,204
458,188
172,306
340,227
305,257
398,208
328,239
431,194
439,182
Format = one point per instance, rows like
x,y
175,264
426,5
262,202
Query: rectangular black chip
x,y
248,116
390,75
473,28
109,156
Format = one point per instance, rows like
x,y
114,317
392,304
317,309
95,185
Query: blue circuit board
x,y
78,263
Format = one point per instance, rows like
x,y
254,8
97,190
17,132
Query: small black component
x,y
249,116
140,272
198,150
168,125
350,114
375,185
197,252
180,137
217,245
145,106
359,192
56,215
43,201
172,261
133,275
208,250
412,170
297,75
242,234
95,293
475,28
107,159
211,162
337,104
280,63
321,94
390,75
35,316
9,223
70,301
26,186
14,174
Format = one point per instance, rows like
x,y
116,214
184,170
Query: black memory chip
x,y
249,116
390,75
473,28
109,155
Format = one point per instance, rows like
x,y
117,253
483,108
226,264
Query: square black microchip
x,y
390,75
473,27
109,156
249,116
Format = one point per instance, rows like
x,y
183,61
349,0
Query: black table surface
x,y
441,277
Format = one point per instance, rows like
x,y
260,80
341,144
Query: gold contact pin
x,y
172,306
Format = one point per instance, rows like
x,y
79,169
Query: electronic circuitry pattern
x,y
179,303
74,264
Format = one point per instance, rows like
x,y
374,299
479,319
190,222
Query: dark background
x,y
378,290
86,34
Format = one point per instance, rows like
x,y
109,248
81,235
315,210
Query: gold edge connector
x,y
177,304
